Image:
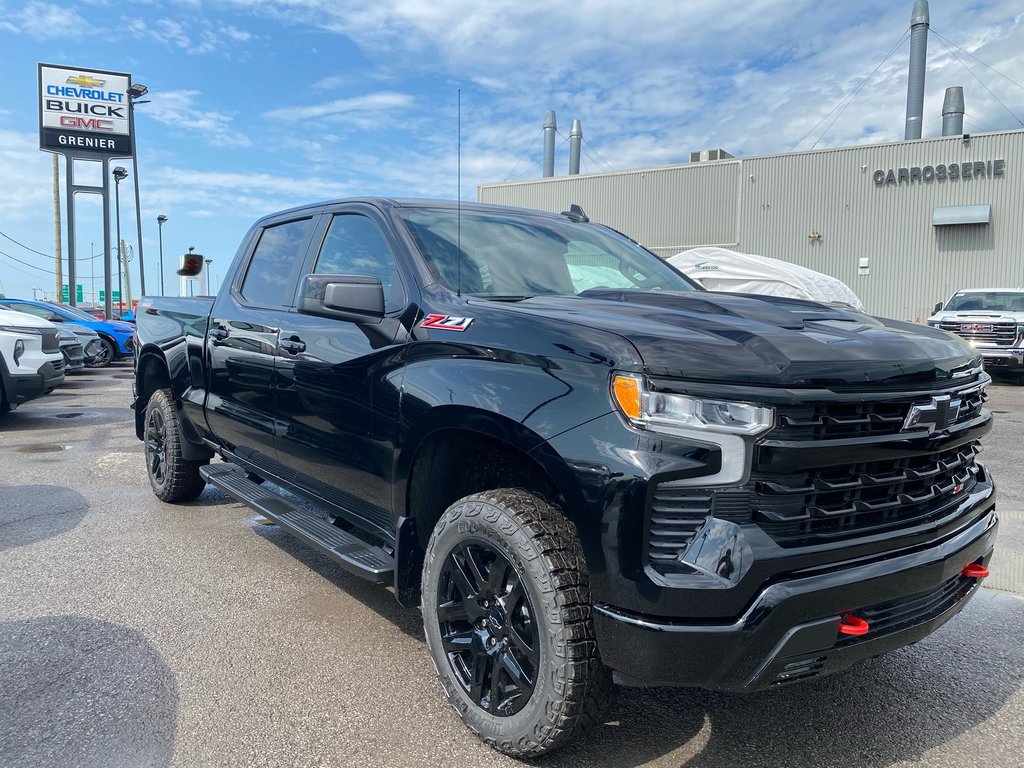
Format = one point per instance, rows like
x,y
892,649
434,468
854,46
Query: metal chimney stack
x,y
575,144
953,111
549,144
919,22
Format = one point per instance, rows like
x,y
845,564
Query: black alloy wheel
x,y
156,445
172,476
104,356
507,618
487,627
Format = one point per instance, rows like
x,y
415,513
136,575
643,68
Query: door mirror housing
x,y
938,308
357,298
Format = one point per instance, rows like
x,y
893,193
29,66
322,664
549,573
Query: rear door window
x,y
270,279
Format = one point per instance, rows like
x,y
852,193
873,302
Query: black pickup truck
x,y
585,469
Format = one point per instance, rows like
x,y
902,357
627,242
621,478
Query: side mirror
x,y
938,308
358,298
55,318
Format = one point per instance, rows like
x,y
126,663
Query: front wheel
x,y
172,477
506,613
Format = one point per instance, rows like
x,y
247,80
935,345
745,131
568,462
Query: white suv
x,y
991,320
31,363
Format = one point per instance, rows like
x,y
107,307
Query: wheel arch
x,y
463,451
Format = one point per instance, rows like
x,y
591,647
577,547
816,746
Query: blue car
x,y
117,339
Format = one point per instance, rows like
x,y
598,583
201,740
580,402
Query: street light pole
x,y
208,263
135,92
119,175
160,225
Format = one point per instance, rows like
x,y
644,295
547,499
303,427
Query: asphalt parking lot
x,y
135,633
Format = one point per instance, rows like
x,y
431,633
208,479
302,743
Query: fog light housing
x,y
19,350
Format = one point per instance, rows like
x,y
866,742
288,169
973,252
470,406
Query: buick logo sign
x,y
935,416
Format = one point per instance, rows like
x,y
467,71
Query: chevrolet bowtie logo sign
x,y
935,416
85,81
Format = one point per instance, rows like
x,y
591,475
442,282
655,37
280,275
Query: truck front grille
x,y
991,334
881,480
836,420
845,501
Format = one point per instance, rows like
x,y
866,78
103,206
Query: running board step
x,y
348,550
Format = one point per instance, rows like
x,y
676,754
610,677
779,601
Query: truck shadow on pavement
x,y
33,513
876,713
83,692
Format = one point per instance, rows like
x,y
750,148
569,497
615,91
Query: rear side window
x,y
269,281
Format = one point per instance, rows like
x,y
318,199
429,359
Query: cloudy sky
x,y
257,105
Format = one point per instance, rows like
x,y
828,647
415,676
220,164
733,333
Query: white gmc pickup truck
x,y
992,321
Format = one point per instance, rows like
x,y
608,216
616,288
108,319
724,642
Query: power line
x,y
47,255
982,82
848,99
33,266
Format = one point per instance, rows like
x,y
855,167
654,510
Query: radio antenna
x,y
458,200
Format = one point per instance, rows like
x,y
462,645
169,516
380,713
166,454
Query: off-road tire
x,y
572,688
172,477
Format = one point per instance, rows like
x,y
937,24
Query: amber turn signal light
x,y
627,394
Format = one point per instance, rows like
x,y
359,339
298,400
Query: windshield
x,y
508,255
988,301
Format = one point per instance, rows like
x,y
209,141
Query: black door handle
x,y
293,345
218,333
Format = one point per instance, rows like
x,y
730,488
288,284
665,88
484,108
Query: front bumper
x,y
791,630
1003,359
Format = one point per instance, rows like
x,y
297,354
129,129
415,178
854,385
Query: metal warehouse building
x,y
903,224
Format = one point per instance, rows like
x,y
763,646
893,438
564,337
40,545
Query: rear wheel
x,y
172,477
104,355
506,612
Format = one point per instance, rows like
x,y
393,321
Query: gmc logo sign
x,y
976,327
86,123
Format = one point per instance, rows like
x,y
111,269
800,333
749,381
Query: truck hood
x,y
765,340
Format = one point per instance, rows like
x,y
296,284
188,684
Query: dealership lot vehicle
x,y
116,338
637,480
162,627
992,321
72,349
31,362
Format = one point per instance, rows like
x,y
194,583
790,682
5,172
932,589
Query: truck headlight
x,y
681,414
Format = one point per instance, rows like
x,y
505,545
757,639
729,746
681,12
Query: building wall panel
x,y
823,210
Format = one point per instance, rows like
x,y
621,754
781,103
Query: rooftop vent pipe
x,y
549,144
953,111
575,143
919,21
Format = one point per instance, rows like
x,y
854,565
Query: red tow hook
x,y
975,571
851,625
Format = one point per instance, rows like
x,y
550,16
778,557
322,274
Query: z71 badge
x,y
446,322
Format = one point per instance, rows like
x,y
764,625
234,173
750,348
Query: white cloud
x,y
193,35
45,21
179,109
359,109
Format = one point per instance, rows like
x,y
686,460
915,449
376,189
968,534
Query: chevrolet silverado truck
x,y
585,469
992,321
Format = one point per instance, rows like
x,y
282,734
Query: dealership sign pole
x,y
84,115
